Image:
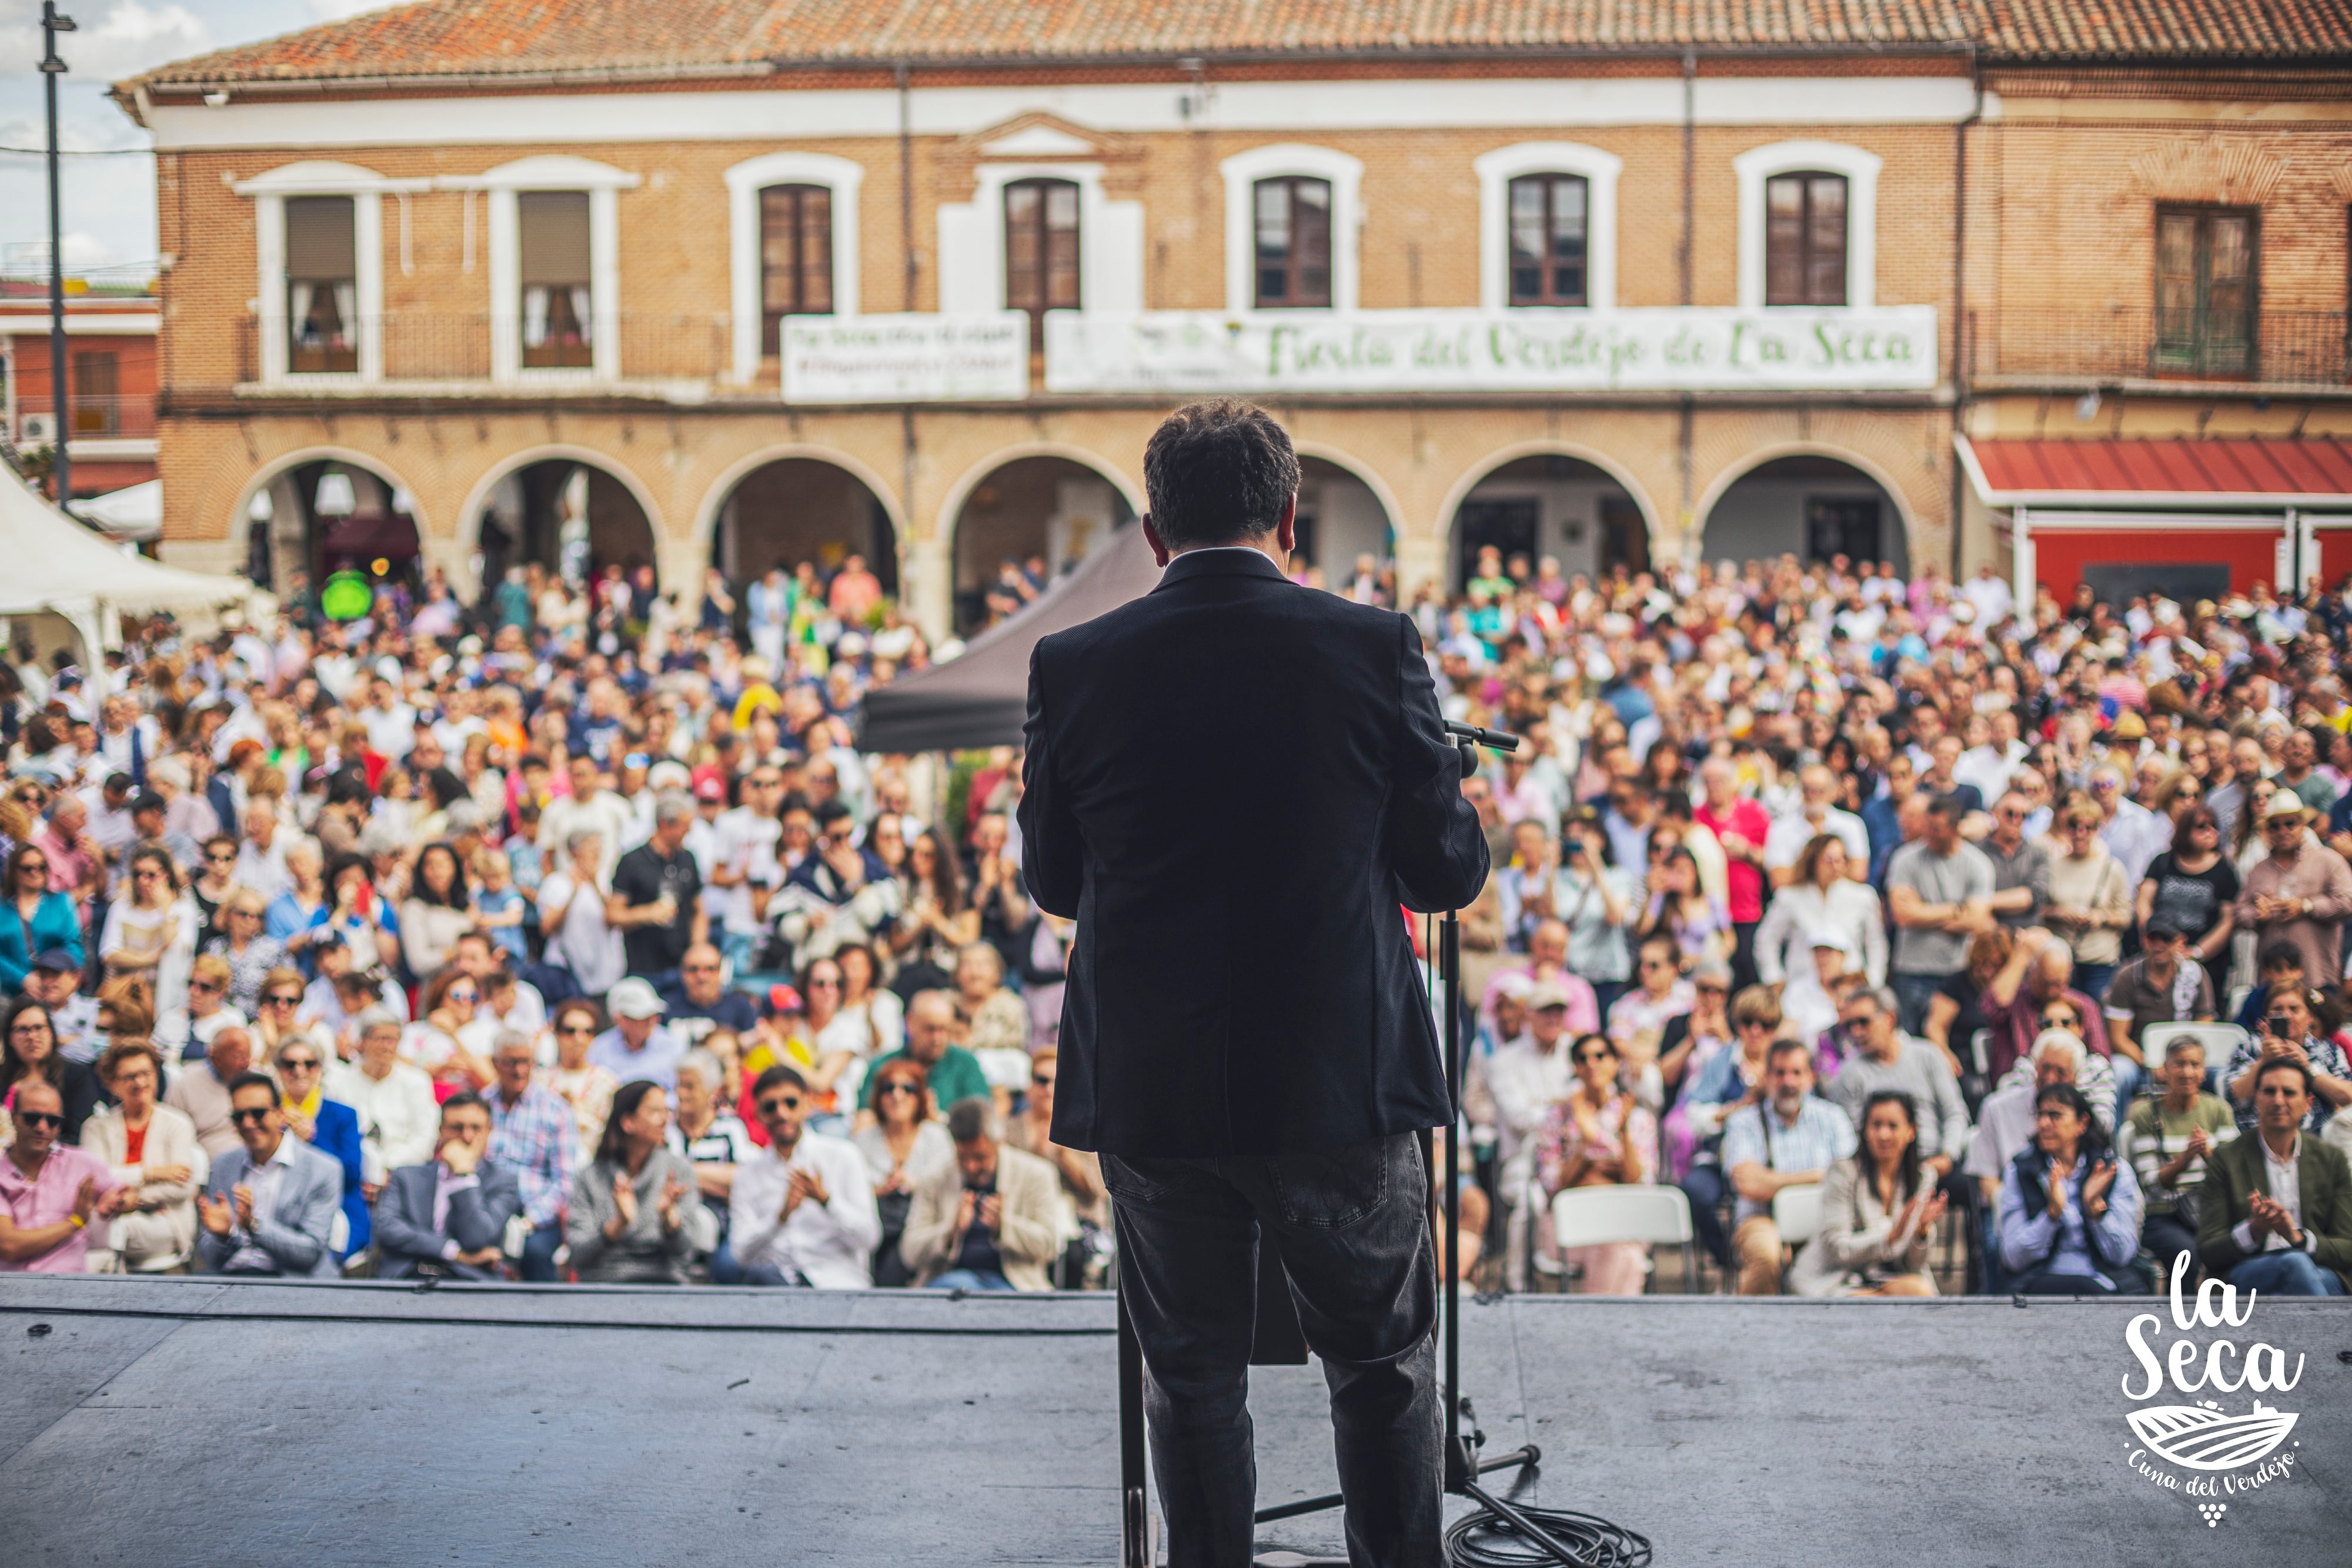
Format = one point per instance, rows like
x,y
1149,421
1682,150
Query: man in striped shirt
x,y
532,1133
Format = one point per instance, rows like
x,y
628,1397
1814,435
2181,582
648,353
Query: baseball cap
x,y
56,958
783,998
710,788
634,999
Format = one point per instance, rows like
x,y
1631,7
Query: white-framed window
x,y
973,240
556,266
1305,222
1805,219
1527,220
773,206
319,290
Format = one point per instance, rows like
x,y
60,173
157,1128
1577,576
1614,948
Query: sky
x,y
109,202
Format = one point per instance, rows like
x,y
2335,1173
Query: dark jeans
x,y
1705,1186
1743,954
539,1253
1912,994
2165,1237
2286,1273
1353,1225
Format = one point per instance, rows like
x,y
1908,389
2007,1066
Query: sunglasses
x,y
1593,1056
821,983
251,1116
281,1001
206,986
775,1102
577,1029
1042,1080
296,1064
48,1119
897,1088
222,858
39,868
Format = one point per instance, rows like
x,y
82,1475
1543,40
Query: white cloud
x,y
128,38
83,250
336,10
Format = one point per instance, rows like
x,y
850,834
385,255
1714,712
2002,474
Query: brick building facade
x,y
539,258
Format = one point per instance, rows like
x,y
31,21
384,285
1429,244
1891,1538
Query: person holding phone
x,y
2287,1030
2069,1211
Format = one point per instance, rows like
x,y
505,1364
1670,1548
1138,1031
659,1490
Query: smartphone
x,y
2275,1025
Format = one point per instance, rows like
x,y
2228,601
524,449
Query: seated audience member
x,y
1879,1212
200,1090
269,1208
2040,972
2005,1127
2069,1215
1957,1011
533,1135
2096,1075
2169,1137
1791,1137
54,982
2163,985
29,1054
1660,993
394,1101
950,1073
2275,1212
186,1032
637,1047
1690,1039
448,1217
1599,1135
151,1150
630,1207
713,1139
907,1144
1694,1128
1885,1057
985,1223
802,1209
2278,968
994,1017
573,1079
701,1001
50,1194
2288,1030
1086,1202
1525,1078
329,1126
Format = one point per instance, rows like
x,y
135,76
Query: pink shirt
x,y
38,1201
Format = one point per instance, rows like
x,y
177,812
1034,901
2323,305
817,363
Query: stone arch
x,y
711,510
479,498
1906,515
952,534
1332,553
283,551
1488,466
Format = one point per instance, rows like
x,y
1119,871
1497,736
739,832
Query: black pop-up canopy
x,y
980,698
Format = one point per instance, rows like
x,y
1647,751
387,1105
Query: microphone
x,y
1493,739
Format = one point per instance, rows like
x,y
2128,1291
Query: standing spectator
x,y
628,1219
29,1054
2020,866
33,918
447,1219
2276,1214
1787,1138
571,912
636,1046
151,933
49,1192
2090,899
1823,896
2069,1211
2300,893
269,1208
2193,888
2159,986
2170,1139
985,1223
1939,891
1817,815
2132,833
1597,1135
438,909
1879,1211
534,1134
657,900
151,1149
802,1209
1740,826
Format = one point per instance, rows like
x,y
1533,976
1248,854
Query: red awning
x,y
2267,472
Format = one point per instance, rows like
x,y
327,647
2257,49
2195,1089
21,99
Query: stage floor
x,y
193,1422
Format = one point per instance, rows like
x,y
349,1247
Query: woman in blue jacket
x,y
327,1125
33,919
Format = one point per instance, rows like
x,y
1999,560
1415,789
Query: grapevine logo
x,y
2222,1453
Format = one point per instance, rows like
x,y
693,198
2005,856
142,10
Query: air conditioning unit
x,y
37,429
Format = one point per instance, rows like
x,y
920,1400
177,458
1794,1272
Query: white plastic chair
x,y
1796,1213
1595,1215
2217,1039
1004,1068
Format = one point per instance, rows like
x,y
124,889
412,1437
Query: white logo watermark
x,y
2202,1436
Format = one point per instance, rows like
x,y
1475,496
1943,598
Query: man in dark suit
x,y
2274,1212
1231,784
449,1215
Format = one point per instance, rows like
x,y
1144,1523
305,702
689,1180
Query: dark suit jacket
x,y
2236,1171
1233,783
404,1234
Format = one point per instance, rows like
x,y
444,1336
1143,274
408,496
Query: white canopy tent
x,y
57,565
135,513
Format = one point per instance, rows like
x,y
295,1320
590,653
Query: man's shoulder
x,y
1262,596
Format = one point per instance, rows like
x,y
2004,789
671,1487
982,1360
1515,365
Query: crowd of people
x,y
571,935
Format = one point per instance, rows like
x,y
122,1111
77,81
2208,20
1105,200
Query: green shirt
x,y
955,1076
2154,1134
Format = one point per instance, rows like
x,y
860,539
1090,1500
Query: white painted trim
x,y
112,449
1110,241
320,177
26,324
1310,107
1860,167
1497,169
745,180
553,171
1243,170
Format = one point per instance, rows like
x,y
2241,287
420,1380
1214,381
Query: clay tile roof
x,y
2118,469
496,37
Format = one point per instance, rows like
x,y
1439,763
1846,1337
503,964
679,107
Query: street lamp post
x,y
52,67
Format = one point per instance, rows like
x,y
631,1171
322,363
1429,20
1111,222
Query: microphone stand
x,y
1463,1465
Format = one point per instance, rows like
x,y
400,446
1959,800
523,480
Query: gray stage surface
x,y
189,1421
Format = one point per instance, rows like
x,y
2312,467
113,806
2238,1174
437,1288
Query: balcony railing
x,y
652,346
2295,347
105,416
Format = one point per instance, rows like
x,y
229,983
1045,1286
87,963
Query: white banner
x,y
983,355
1701,350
